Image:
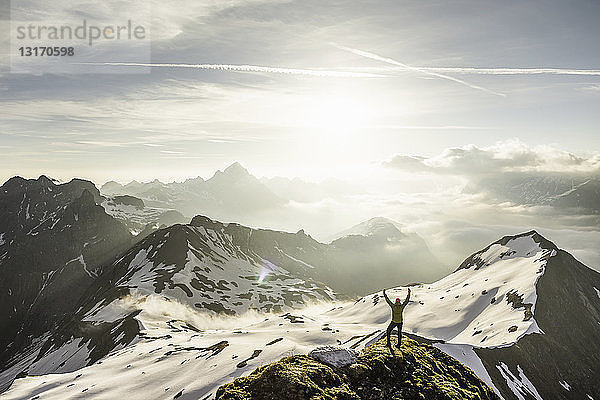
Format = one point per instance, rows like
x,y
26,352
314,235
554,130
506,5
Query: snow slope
x,y
203,267
180,350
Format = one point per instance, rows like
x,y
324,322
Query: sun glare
x,y
335,120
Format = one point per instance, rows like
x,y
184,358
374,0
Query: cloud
x,y
409,163
506,156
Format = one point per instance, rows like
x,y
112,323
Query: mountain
x,y
226,268
208,265
585,195
137,217
416,371
54,239
218,197
377,226
217,268
522,314
562,360
379,249
564,191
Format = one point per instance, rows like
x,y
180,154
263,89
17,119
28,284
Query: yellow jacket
x,y
397,308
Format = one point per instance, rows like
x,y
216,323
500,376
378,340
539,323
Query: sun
x,y
334,118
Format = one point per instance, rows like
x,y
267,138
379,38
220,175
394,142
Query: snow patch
x,y
520,386
597,291
565,385
81,261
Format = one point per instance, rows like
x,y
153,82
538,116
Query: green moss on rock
x,y
416,371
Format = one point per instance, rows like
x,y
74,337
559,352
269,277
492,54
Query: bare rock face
x,y
54,240
334,356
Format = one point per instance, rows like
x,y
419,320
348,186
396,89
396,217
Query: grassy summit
x,y
416,371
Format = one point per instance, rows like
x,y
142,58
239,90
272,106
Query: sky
x,y
403,103
303,88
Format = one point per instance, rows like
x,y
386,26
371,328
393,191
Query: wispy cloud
x,y
407,67
250,68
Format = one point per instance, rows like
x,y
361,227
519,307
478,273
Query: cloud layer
x,y
507,156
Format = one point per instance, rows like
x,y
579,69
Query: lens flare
x,y
265,269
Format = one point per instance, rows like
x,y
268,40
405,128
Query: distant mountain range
x,y
228,194
214,197
564,191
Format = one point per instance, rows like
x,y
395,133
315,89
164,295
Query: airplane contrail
x,y
517,71
494,71
387,60
249,68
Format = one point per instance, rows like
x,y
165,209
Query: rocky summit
x,y
415,371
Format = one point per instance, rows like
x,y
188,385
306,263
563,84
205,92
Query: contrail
x,y
495,71
410,68
516,71
251,68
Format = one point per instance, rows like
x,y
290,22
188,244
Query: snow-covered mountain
x,y
521,313
217,197
219,268
54,239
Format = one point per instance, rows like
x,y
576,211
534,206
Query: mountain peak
x,y
376,226
533,234
45,180
524,244
236,169
234,172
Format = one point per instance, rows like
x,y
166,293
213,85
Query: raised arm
x,y
387,298
407,299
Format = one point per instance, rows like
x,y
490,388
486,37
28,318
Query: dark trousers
x,y
390,328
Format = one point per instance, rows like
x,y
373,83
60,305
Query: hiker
x,y
397,309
